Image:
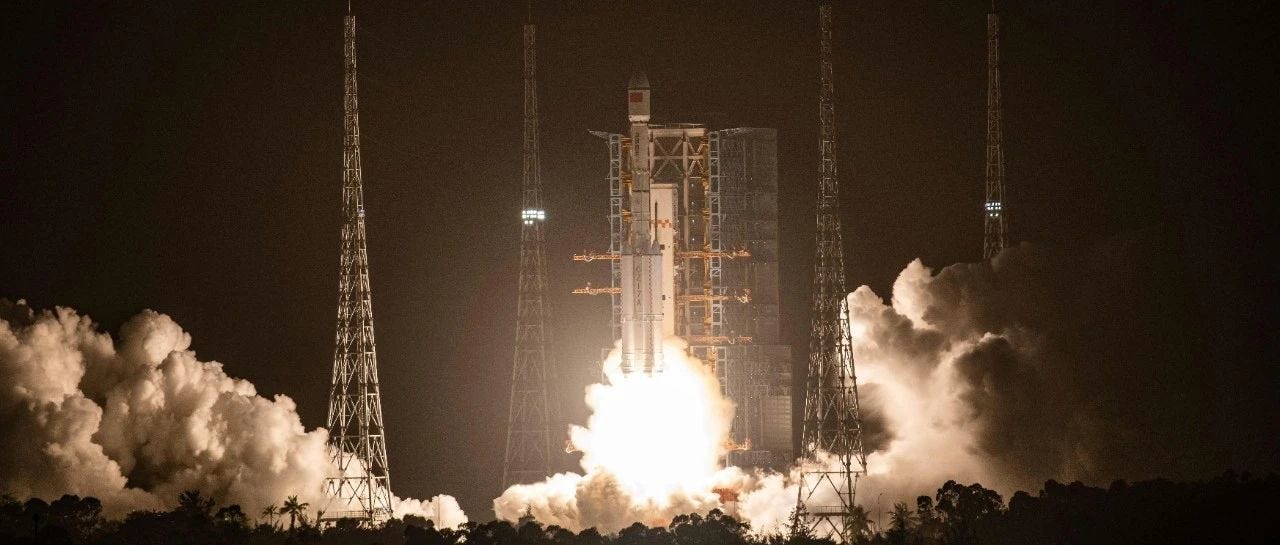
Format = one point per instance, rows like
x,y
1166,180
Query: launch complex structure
x,y
361,489
528,456
995,229
831,440
693,253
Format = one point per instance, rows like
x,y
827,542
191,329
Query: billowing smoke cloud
x,y
653,449
443,510
1039,365
135,423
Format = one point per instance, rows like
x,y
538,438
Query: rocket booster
x,y
648,255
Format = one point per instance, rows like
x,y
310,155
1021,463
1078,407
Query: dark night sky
x,y
187,159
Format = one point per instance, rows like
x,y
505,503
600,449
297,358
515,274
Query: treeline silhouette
x,y
1231,508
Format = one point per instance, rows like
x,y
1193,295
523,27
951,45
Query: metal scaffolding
x,y
756,375
831,441
528,454
357,439
726,281
995,238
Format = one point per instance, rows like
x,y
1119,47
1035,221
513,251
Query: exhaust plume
x,y
651,450
1038,365
138,421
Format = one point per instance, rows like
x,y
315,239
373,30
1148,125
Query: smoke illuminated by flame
x,y
1000,373
651,450
660,435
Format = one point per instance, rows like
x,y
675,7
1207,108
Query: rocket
x,y
648,252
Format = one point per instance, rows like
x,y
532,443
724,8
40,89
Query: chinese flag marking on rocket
x,y
637,97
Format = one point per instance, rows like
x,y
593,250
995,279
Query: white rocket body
x,y
648,257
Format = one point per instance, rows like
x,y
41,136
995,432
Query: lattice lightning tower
x,y
832,423
357,438
994,237
528,456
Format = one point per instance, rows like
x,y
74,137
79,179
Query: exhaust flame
x,y
653,449
658,434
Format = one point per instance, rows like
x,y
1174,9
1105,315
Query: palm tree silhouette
x,y
294,508
859,522
902,519
270,513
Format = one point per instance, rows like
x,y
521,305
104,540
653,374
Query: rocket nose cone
x,y
638,81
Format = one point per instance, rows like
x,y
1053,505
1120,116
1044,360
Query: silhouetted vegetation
x,y
1232,508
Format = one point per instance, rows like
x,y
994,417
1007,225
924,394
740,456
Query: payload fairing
x,y
648,256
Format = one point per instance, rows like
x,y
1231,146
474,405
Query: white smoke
x,y
906,372
1037,365
443,510
1005,373
653,449
135,423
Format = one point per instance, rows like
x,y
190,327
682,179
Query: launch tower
x,y
357,440
713,274
994,236
831,442
528,455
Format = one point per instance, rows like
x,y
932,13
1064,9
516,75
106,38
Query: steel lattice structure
x,y
727,286
832,423
995,237
528,455
357,438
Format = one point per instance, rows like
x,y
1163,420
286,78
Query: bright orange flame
x,y
651,450
659,434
